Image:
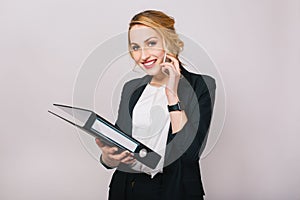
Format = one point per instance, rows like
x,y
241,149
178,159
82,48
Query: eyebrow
x,y
145,40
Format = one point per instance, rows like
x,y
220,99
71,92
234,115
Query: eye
x,y
152,43
135,47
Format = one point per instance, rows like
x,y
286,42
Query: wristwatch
x,y
176,107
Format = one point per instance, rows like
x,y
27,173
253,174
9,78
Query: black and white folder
x,y
99,127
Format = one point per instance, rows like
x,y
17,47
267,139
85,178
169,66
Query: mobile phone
x,y
166,71
166,59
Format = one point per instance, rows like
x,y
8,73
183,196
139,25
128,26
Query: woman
x,y
168,110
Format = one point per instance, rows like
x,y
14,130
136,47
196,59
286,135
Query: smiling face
x,y
146,48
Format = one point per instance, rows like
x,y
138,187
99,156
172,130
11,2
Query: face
x,y
146,48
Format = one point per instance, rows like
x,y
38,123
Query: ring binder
x,y
99,127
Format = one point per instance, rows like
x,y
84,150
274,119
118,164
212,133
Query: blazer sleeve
x,y
191,139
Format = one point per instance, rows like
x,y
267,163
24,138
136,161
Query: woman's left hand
x,y
172,70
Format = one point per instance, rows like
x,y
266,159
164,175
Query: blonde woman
x,y
168,110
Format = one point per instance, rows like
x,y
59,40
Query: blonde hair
x,y
164,25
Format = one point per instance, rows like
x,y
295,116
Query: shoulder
x,y
136,83
199,81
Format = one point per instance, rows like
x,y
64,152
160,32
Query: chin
x,y
152,71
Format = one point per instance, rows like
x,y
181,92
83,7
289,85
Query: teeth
x,y
149,63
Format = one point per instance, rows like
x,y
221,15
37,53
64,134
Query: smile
x,y
149,64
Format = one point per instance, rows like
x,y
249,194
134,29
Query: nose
x,y
144,54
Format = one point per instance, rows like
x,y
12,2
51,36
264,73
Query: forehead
x,y
140,33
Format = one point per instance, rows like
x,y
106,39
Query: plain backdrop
x,y
254,44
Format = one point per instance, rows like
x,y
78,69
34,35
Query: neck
x,y
159,79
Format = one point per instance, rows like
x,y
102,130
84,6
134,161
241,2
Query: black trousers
x,y
140,186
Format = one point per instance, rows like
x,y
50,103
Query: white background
x,y
255,45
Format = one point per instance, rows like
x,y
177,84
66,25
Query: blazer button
x,y
132,183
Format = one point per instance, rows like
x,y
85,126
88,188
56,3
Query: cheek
x,y
160,54
136,56
159,50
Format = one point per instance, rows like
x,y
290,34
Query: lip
x,y
149,63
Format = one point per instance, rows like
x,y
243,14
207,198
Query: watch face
x,y
179,105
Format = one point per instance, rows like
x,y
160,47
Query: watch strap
x,y
175,107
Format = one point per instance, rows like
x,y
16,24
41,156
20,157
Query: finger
x,y
165,71
105,148
120,156
110,150
169,64
174,61
99,143
172,58
128,159
170,68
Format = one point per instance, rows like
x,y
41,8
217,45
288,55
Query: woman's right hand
x,y
111,157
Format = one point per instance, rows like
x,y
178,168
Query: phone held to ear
x,y
166,59
166,71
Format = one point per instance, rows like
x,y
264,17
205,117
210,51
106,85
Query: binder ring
x,y
143,153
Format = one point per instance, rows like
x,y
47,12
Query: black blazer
x,y
181,173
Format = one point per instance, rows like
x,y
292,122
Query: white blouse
x,y
150,124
